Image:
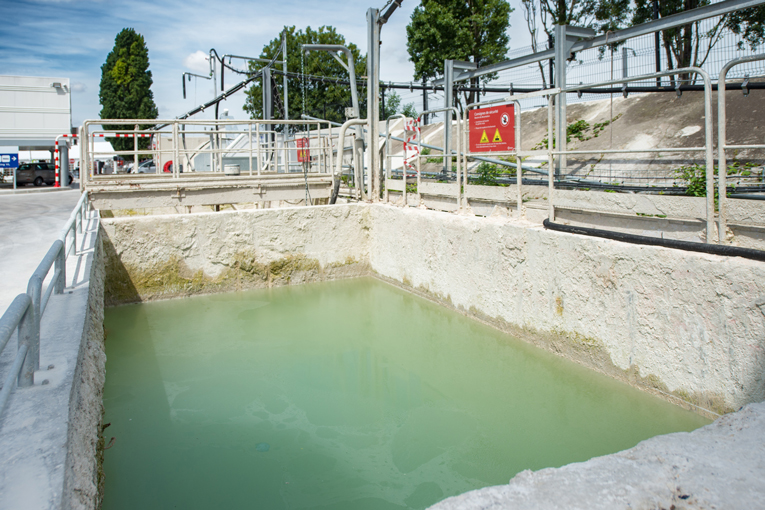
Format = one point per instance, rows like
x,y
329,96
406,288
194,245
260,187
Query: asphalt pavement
x,y
29,223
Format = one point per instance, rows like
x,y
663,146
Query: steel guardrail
x,y
26,311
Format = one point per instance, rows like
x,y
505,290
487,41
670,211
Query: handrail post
x,y
60,264
722,158
29,337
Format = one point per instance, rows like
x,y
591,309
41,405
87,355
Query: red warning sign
x,y
492,129
303,153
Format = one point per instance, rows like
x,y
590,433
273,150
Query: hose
x,y
714,249
335,191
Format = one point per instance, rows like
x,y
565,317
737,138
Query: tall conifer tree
x,y
126,85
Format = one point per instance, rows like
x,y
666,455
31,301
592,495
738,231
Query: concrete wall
x,y
678,322
167,256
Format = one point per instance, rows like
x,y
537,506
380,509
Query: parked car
x,y
146,167
37,174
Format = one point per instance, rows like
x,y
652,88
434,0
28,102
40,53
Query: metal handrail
x,y
722,143
26,311
708,134
173,150
447,162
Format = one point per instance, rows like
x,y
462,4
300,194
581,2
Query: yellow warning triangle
x,y
484,138
497,138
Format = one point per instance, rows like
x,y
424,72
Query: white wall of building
x,y
34,110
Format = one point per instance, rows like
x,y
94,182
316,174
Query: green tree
x,y
126,86
410,111
392,102
471,30
322,99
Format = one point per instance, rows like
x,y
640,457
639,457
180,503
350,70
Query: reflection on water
x,y
343,395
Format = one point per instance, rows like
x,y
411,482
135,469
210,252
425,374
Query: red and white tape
x,y
411,150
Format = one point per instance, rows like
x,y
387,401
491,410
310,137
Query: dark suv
x,y
37,174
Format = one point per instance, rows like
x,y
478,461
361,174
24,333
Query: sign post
x,y
492,129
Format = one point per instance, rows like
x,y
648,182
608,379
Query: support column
x,y
63,168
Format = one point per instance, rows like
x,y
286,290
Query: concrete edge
x,y
39,429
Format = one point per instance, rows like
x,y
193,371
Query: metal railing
x,y
722,142
182,146
26,311
518,153
707,148
558,150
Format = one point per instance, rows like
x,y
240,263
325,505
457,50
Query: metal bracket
x,y
624,90
337,57
579,92
179,193
745,85
677,90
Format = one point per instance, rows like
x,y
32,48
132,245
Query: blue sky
x,y
71,38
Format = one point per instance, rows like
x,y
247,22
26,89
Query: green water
x,y
343,395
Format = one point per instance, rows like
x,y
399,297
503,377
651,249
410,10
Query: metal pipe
x,y
722,159
341,143
351,73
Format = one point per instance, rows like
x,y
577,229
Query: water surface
x,y
343,395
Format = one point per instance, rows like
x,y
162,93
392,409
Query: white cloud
x,y
197,62
78,87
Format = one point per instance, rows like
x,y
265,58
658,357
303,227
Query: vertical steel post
x,y
657,52
286,81
561,54
135,148
60,265
550,160
624,63
424,102
249,135
373,103
29,331
29,338
176,163
260,156
448,103
518,170
709,153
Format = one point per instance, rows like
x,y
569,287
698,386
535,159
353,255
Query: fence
x,y
596,65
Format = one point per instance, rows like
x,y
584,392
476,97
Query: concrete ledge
x,y
717,466
49,432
